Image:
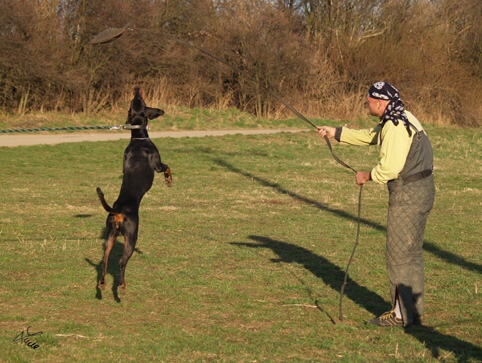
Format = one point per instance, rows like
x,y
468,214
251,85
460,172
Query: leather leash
x,y
77,128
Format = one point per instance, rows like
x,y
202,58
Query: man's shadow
x,y
332,275
112,267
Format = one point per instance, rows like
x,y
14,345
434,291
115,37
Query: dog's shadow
x,y
112,267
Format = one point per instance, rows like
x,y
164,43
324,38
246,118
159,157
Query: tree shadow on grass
x,y
308,201
451,258
428,246
439,344
112,268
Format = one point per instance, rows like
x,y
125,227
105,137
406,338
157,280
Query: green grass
x,y
240,261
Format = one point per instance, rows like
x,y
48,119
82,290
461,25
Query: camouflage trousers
x,y
408,209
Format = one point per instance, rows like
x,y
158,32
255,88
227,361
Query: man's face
x,y
376,106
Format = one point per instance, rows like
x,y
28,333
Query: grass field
x,y
241,260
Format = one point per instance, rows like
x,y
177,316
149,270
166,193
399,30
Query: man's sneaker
x,y
387,319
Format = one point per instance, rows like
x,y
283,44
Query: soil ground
x,y
13,140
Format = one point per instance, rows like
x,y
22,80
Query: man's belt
x,y
417,176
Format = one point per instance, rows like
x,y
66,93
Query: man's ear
x,y
152,113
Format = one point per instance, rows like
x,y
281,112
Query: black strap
x,y
417,176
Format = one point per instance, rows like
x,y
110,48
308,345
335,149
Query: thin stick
x,y
352,253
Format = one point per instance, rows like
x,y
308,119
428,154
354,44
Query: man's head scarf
x,y
395,110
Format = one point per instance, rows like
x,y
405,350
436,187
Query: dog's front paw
x,y
168,177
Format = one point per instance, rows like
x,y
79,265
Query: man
x,y
405,165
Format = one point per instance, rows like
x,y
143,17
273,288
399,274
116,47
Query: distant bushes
x,y
320,56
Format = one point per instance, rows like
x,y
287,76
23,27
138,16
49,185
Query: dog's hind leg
x,y
108,244
167,175
130,240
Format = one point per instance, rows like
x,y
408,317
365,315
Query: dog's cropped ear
x,y
152,113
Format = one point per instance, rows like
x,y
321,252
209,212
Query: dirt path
x,y
12,140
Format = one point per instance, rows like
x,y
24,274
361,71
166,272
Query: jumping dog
x,y
141,159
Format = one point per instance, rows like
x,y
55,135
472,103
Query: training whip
x,y
111,34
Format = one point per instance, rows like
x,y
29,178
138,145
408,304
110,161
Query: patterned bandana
x,y
395,109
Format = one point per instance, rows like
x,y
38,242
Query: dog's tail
x,y
118,217
106,206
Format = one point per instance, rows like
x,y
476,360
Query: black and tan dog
x,y
141,159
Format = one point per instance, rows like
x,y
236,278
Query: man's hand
x,y
362,177
327,131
